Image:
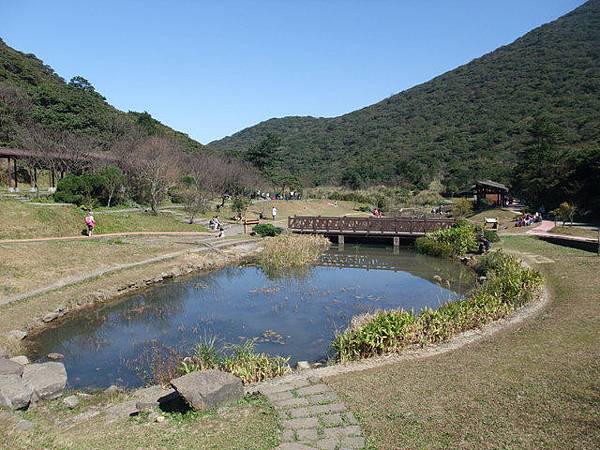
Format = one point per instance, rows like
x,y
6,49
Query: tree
x,y
239,205
114,181
566,211
264,154
154,167
195,201
81,83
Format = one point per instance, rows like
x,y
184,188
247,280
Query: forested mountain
x,y
33,98
465,124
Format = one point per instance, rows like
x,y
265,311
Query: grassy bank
x,y
19,220
575,231
251,423
509,285
534,386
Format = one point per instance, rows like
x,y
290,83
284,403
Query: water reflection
x,y
290,316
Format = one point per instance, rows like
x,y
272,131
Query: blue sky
x,y
212,68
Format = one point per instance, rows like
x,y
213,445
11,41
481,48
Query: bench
x,y
248,222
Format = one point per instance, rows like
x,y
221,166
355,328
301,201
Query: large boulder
x,y
208,388
14,392
48,380
8,367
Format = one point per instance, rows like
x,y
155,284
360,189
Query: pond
x,y
295,316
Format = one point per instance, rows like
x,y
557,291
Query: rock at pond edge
x,y
48,380
208,388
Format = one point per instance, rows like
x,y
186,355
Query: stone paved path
x,y
313,416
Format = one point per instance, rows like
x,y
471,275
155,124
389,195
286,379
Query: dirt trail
x,y
206,246
108,235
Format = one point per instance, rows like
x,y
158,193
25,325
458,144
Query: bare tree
x,y
154,166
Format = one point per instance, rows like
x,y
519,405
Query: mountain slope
x,y
31,92
465,124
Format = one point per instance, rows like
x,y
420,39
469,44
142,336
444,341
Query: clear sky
x,y
212,68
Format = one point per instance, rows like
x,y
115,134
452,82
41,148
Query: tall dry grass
x,y
291,251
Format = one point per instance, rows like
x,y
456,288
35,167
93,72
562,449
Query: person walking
x,y
90,222
274,213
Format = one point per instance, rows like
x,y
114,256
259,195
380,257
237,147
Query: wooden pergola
x,y
53,161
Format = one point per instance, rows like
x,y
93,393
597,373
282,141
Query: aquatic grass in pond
x,y
509,285
291,251
242,360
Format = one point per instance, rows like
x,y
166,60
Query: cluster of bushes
x,y
267,230
91,189
241,360
509,285
457,240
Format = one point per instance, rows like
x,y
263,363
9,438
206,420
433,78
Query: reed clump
x,y
291,251
242,360
508,286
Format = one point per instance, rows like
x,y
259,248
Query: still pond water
x,y
294,316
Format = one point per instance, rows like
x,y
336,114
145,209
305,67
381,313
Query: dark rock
x,y
8,367
14,392
208,388
48,380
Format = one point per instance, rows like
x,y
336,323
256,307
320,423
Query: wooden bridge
x,y
371,227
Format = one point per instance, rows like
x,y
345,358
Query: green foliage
x,y
565,212
239,205
491,235
241,360
462,207
88,189
457,240
509,285
267,230
31,92
465,124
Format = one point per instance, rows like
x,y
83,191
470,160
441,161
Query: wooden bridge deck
x,y
366,226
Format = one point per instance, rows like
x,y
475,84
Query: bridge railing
x,y
366,225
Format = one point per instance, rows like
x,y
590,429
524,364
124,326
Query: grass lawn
x,y
19,220
534,386
575,231
250,424
506,220
310,207
24,267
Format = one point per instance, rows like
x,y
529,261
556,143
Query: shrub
x,y
80,189
267,230
462,207
484,203
241,360
509,285
457,240
289,251
491,235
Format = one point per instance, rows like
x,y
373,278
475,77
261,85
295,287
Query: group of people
x,y
292,195
377,212
528,219
215,225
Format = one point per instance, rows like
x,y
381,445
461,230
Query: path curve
x,y
108,235
94,274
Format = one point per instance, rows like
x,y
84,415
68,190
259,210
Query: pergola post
x,y
16,179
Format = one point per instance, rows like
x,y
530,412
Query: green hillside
x,y
31,92
468,123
